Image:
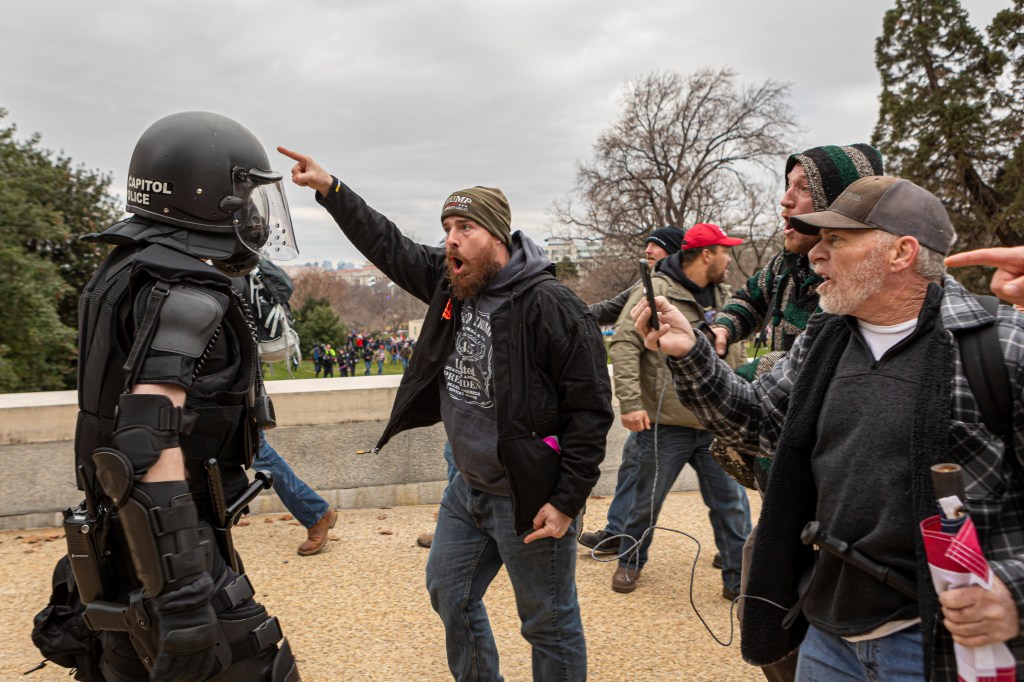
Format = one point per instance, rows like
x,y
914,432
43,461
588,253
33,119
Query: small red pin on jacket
x,y
447,314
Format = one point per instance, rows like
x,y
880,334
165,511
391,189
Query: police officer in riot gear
x,y
168,381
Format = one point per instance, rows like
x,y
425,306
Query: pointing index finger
x,y
294,156
995,257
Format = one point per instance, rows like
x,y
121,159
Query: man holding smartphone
x,y
661,243
693,280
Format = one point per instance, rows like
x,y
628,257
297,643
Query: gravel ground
x,y
359,610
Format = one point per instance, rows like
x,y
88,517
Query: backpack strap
x,y
982,358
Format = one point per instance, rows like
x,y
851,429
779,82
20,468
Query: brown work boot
x,y
316,536
624,580
425,540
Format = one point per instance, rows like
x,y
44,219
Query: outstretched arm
x,y
747,309
412,266
607,312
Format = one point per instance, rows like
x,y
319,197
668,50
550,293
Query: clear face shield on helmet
x,y
262,221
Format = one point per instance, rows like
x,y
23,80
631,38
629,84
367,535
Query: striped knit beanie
x,y
831,169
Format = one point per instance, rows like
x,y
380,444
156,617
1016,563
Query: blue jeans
x,y
898,657
726,500
449,459
297,497
474,538
625,486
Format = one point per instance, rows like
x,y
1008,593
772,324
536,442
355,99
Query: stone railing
x,y
327,431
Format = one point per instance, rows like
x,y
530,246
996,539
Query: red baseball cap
x,y
703,235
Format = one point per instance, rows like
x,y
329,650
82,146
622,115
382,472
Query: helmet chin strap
x,y
240,263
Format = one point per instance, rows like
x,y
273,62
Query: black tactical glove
x,y
189,634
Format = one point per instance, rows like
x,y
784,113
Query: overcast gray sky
x,y
407,101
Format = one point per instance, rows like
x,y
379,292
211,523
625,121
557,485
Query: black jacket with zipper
x,y
550,368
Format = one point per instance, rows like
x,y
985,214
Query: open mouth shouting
x,y
787,229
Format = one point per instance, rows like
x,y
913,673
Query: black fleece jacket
x,y
550,370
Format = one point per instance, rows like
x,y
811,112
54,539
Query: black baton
x,y
262,481
814,535
220,509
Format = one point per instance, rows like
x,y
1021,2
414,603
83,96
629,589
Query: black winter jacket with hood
x,y
550,371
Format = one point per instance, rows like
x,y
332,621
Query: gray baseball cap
x,y
882,202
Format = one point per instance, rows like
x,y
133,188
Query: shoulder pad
x,y
188,318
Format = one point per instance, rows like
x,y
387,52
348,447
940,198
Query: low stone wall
x,y
49,417
328,428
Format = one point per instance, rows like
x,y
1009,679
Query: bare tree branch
x,y
685,149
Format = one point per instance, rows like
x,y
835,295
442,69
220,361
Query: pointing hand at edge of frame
x,y
1008,280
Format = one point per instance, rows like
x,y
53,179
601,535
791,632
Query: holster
x,y
243,638
159,522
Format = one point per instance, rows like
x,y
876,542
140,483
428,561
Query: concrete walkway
x,y
359,611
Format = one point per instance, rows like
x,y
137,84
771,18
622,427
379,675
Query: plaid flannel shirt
x,y
749,416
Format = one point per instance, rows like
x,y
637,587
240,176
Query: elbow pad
x,y
146,425
158,519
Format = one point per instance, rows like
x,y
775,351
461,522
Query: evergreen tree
x,y
316,322
1007,37
943,118
42,199
566,270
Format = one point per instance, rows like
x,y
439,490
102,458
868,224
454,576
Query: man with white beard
x,y
871,395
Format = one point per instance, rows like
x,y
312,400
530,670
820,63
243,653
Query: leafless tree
x,y
755,219
320,283
612,269
376,308
382,307
685,149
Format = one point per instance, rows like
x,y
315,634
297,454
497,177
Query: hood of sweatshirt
x,y
526,259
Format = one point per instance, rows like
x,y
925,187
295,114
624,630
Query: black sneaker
x,y
592,540
716,561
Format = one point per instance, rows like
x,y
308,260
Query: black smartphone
x,y
645,277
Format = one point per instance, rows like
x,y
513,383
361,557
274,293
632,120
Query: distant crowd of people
x,y
368,349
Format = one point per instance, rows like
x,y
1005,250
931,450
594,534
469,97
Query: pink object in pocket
x,y
552,442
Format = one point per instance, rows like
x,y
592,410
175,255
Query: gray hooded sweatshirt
x,y
467,382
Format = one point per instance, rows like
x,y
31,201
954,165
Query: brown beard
x,y
474,277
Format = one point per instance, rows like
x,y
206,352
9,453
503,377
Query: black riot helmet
x,y
208,173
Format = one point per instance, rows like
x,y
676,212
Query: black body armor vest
x,y
223,385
